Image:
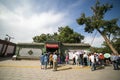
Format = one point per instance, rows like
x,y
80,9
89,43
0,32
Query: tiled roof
x,y
65,44
30,44
75,44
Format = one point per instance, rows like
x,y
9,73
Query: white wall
x,y
24,52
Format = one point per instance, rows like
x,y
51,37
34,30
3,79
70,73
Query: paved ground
x,y
30,70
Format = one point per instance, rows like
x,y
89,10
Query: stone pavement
x,y
30,70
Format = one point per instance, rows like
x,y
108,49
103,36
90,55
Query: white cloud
x,y
24,20
23,26
97,41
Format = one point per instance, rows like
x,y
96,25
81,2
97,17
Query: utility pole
x,y
9,37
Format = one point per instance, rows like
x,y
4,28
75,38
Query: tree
x,y
41,38
65,35
98,50
106,48
115,43
97,22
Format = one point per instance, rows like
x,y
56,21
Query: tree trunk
x,y
108,42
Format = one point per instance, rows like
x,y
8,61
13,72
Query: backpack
x,y
45,59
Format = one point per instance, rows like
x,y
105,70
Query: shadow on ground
x,y
61,68
5,58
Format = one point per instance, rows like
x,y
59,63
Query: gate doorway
x,y
52,47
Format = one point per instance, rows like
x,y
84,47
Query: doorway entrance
x,y
51,47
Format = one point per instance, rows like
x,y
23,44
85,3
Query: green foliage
x,y
42,38
97,22
65,35
115,43
101,50
97,50
106,48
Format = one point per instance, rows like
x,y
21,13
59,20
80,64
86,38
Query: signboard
x,y
52,46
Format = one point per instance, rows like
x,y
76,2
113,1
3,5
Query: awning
x,y
52,46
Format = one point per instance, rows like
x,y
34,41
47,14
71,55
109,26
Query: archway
x,y
51,47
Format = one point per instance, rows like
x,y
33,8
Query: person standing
x,y
81,60
67,59
58,59
77,59
85,58
101,59
74,58
119,59
114,59
45,60
51,60
42,60
93,62
89,61
54,62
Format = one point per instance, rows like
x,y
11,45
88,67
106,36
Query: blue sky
x,y
24,19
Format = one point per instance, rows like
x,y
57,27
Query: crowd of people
x,y
93,60
49,58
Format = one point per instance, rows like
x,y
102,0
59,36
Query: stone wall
x,y
34,50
